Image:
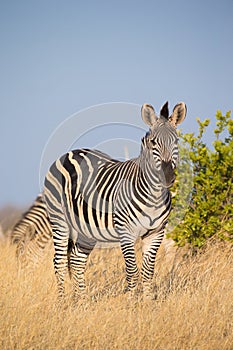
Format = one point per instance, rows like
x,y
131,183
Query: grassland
x,y
193,309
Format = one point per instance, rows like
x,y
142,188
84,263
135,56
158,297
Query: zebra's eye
x,y
153,142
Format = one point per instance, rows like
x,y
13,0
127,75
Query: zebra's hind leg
x,y
150,247
78,261
132,273
60,239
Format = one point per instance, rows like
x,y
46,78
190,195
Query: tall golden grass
x,y
193,309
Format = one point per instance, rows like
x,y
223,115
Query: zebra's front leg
x,y
132,272
78,261
150,247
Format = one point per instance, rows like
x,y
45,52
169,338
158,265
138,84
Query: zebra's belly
x,y
99,227
93,230
110,235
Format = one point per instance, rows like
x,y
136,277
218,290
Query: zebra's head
x,y
162,139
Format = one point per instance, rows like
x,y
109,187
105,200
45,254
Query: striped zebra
x,y
106,200
32,233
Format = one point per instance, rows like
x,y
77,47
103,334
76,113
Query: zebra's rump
x,y
81,186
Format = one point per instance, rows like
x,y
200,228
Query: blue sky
x,y
59,57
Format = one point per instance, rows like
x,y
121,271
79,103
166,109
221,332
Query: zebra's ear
x,y
164,111
148,114
178,114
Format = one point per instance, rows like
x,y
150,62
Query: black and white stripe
x,y
32,233
105,200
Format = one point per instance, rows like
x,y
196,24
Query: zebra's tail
x,y
69,250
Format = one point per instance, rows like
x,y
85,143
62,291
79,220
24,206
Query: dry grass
x,y
194,308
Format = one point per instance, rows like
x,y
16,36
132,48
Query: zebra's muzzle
x,y
167,174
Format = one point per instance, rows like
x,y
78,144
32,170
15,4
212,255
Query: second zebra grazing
x,y
31,234
105,200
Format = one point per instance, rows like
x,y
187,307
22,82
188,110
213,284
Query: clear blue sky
x,y
58,57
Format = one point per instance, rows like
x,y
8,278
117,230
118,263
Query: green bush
x,y
203,206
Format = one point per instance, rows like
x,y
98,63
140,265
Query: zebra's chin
x,y
168,184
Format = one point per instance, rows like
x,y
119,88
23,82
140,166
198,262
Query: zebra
x,y
106,200
32,233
